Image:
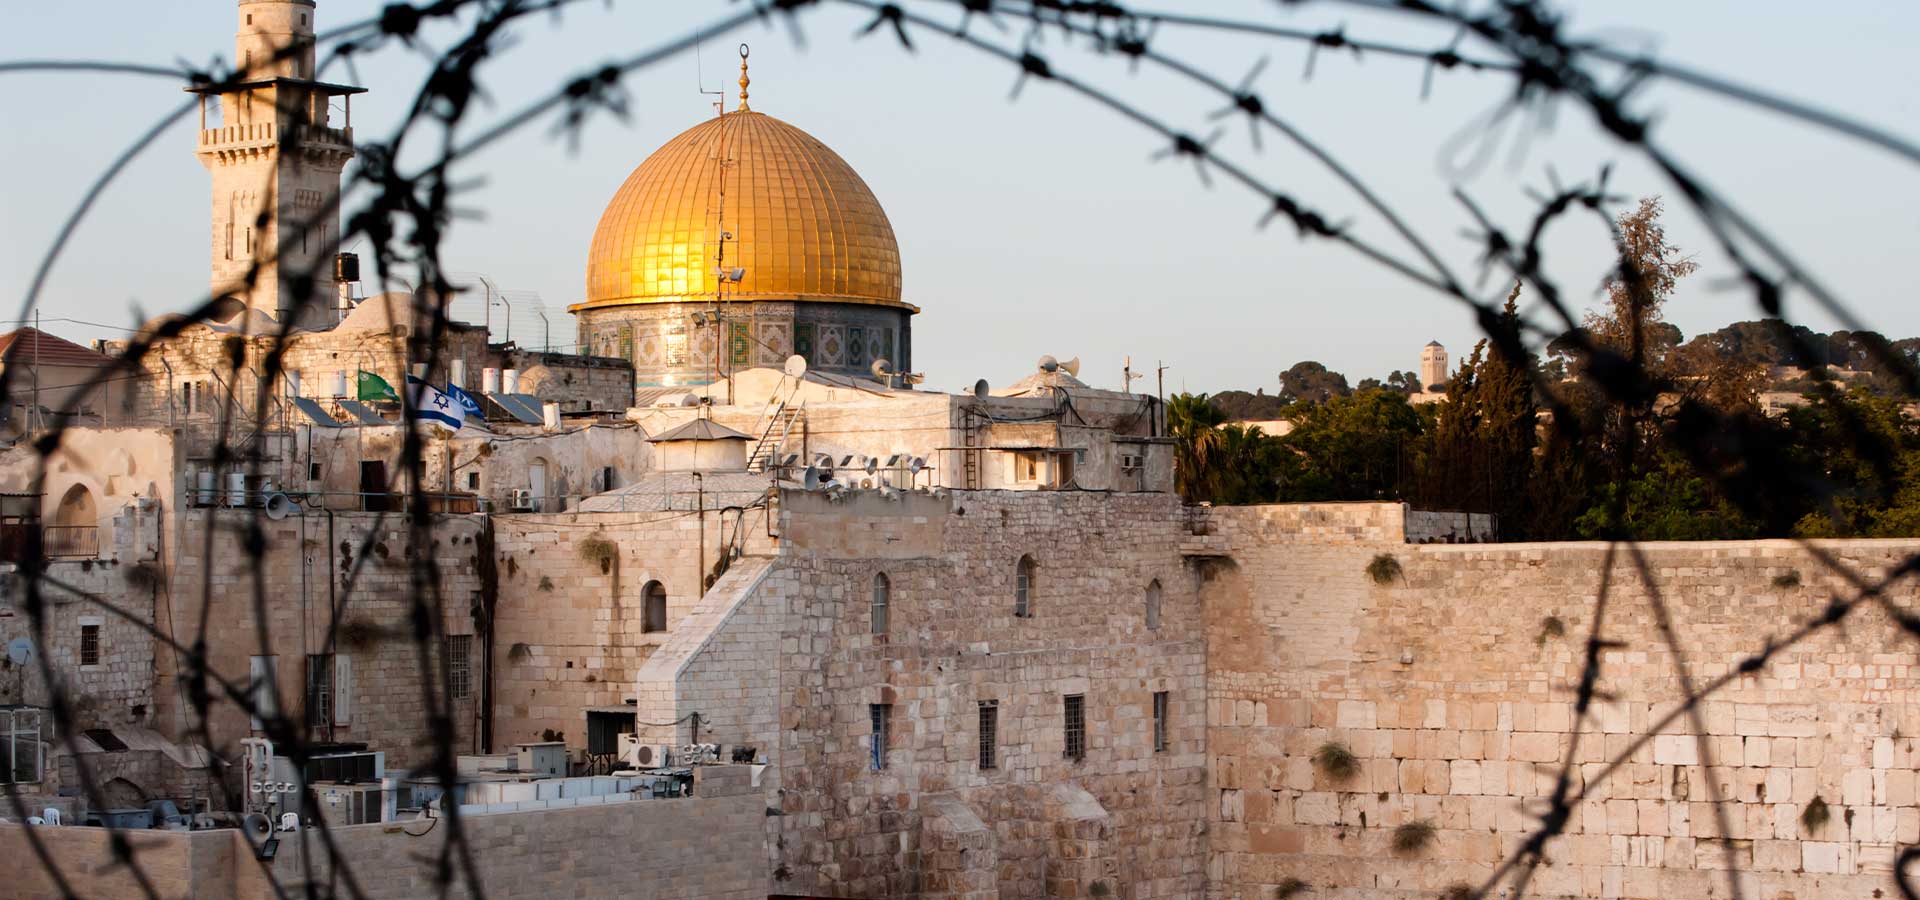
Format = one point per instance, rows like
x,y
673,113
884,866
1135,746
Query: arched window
x,y
882,600
1153,605
1023,583
653,617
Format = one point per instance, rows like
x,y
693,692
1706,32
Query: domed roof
x,y
804,225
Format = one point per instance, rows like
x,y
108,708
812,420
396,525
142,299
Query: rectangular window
x,y
261,688
319,689
881,715
1159,721
1027,467
19,746
473,481
459,666
1076,724
989,734
313,471
89,645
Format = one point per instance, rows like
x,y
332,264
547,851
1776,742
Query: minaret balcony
x,y
233,141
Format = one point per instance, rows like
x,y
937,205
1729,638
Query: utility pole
x,y
1161,392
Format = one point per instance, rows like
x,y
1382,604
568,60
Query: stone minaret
x,y
1433,366
276,161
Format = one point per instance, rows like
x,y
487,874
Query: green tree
x,y
1312,382
1194,425
1358,447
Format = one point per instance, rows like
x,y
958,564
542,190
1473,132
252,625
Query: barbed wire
x,y
408,213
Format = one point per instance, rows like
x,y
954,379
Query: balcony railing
x,y
81,541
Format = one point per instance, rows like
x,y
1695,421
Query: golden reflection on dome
x,y
804,225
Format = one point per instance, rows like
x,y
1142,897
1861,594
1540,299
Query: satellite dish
x,y
1072,366
879,368
980,389
810,479
872,465
796,366
20,651
1048,363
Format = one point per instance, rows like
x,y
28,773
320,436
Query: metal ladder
x,y
779,425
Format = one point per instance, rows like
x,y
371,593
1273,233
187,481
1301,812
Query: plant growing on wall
x,y
597,549
1458,890
1383,569
359,634
518,652
1787,580
1338,762
1815,815
1550,628
1291,887
1409,838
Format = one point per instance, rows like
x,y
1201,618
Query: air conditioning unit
x,y
644,756
1132,462
520,501
349,804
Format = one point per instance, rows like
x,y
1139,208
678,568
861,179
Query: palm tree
x,y
1194,423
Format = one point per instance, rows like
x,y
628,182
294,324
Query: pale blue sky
x,y
1036,226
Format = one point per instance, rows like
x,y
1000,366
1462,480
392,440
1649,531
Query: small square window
x,y
473,481
313,471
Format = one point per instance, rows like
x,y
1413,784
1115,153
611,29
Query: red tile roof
x,y
20,346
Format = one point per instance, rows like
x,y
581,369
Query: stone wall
x,y
704,846
1452,684
953,641
570,631
318,569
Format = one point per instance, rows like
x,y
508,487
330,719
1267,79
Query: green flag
x,y
373,387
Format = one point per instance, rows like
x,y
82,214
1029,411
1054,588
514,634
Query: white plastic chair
x,y
289,821
51,814
34,820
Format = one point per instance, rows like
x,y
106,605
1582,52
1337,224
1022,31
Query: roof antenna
x,y
700,72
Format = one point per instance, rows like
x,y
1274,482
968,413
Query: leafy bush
x,y
1292,887
1815,815
1412,837
1336,761
1384,569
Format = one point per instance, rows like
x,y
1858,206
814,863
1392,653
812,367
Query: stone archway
x,y
77,507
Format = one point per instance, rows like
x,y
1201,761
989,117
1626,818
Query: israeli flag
x,y
466,401
431,404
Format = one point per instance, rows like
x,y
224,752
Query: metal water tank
x,y
490,380
510,381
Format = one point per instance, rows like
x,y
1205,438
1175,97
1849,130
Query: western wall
x,y
1453,684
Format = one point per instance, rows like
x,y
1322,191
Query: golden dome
x,y
804,226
